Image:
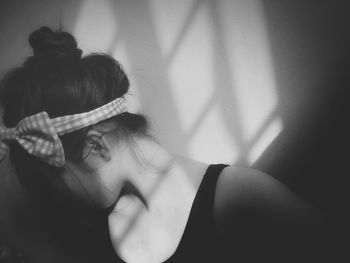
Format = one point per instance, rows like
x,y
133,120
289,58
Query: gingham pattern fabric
x,y
38,134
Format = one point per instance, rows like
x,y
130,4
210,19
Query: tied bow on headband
x,y
38,134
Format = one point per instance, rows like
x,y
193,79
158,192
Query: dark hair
x,y
56,79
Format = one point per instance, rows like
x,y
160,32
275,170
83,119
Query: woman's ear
x,y
97,147
105,152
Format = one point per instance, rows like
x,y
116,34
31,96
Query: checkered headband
x,y
38,134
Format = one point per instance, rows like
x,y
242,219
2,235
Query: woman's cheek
x,y
86,187
111,181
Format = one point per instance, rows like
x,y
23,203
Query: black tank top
x,y
200,241
253,241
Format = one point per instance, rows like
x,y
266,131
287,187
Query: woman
x,y
73,141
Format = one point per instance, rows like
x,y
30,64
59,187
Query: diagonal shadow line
x,y
205,109
129,31
227,96
186,24
134,218
136,42
250,144
272,116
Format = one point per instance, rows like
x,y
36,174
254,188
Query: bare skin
x,y
152,233
166,185
148,221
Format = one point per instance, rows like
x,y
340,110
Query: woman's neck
x,y
153,228
149,164
154,167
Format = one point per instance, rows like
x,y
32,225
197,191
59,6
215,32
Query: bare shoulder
x,y
260,195
239,186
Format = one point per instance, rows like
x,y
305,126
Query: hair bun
x,y
44,41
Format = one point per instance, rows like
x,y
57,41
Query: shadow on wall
x,y
310,154
312,61
18,19
144,53
311,157
222,124
306,38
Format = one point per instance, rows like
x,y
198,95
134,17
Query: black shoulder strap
x,y
200,230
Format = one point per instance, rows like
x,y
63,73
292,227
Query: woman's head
x,y
56,79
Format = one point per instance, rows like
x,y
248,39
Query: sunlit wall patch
x,y
213,143
251,64
190,70
216,60
96,26
264,140
171,20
